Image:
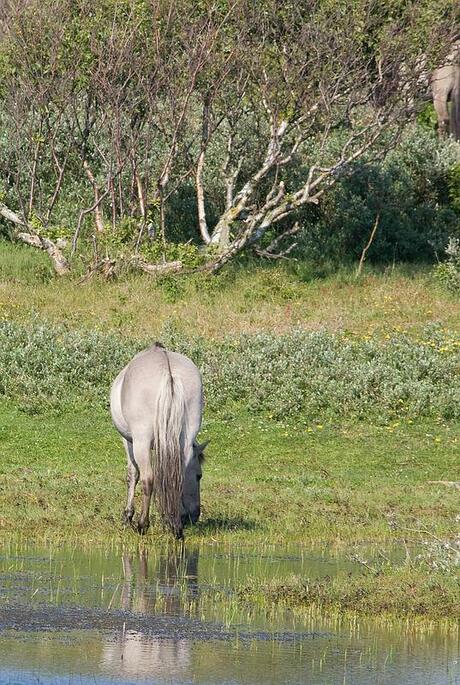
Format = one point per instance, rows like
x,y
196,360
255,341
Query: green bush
x,y
319,375
124,242
46,367
416,193
448,272
155,251
316,375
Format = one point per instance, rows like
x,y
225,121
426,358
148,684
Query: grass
x,y
405,592
261,298
265,483
264,480
291,482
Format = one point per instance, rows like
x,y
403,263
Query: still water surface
x,y
167,615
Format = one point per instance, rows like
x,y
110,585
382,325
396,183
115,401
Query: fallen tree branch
x,y
8,214
157,269
105,267
60,263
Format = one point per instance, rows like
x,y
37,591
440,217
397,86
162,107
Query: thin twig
x,y
369,243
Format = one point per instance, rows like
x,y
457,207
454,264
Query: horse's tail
x,y
168,469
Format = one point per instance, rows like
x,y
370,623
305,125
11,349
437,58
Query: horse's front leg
x,y
141,449
132,479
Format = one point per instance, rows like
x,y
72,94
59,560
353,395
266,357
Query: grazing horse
x,y
156,405
445,88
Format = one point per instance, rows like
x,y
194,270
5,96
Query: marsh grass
x,y
401,591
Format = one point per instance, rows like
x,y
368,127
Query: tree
x,y
123,104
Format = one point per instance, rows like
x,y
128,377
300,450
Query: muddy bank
x,y
41,619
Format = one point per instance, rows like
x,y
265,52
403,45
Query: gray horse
x,y
445,88
156,404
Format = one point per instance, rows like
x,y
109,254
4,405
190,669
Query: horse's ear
x,y
199,449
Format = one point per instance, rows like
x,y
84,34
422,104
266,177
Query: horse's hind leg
x,y
442,113
142,450
442,84
131,481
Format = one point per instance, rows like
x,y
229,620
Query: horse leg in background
x,y
442,85
455,111
132,479
141,449
442,113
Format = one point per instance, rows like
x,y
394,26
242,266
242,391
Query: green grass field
x,y
278,483
302,481
265,483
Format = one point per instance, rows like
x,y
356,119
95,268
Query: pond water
x,y
167,615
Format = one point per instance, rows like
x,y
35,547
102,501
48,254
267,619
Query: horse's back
x,y
144,372
135,390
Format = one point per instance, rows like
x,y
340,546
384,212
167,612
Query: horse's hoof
x,y
179,534
127,518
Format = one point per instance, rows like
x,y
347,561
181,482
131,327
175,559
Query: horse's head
x,y
191,485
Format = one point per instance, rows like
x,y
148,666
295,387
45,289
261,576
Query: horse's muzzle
x,y
191,517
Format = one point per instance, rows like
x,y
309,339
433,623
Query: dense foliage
x,y
129,126
415,192
316,375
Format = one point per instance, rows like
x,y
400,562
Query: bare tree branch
x,y
60,263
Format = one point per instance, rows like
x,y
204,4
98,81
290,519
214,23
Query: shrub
x,y
448,273
311,374
47,367
319,374
415,192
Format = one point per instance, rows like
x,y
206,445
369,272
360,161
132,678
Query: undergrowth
x,y
315,374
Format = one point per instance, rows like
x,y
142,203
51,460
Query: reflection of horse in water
x,y
163,588
138,655
153,588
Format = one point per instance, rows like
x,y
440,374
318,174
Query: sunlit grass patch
x,y
242,299
64,475
401,591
